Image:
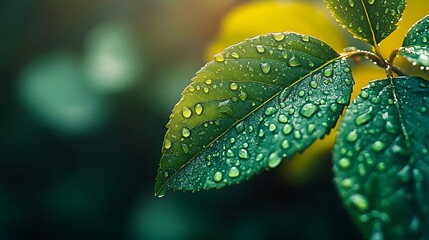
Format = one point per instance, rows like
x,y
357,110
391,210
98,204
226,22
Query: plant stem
x,y
378,60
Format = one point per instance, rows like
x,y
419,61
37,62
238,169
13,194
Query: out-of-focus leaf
x,y
416,46
369,20
381,159
257,18
260,101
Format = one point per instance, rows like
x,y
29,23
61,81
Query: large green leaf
x,y
262,100
416,43
369,20
381,159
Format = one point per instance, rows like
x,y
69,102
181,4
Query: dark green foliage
x,y
260,101
267,98
416,43
381,159
369,20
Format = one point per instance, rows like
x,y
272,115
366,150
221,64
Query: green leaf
x,y
381,159
260,101
416,46
369,20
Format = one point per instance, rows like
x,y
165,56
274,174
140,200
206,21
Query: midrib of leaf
x,y
370,26
407,144
247,115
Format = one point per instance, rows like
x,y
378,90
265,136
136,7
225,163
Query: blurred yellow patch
x,y
249,20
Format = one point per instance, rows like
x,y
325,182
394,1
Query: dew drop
x,y
242,95
313,84
294,62
206,90
260,49
186,112
270,111
305,38
328,72
240,127
278,36
297,135
235,55
244,154
311,128
309,110
285,144
265,67
274,160
272,127
378,146
363,119
283,118
261,133
351,3
347,183
234,172
167,144
284,55
259,157
198,109
219,58
360,29
371,1
364,94
287,129
233,86
186,132
344,163
360,202
217,177
352,136
230,153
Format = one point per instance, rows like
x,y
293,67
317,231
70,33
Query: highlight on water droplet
x,y
294,62
360,202
186,132
186,112
234,172
198,109
278,36
233,86
351,3
244,154
235,55
274,160
167,144
344,163
260,49
217,177
305,38
265,67
309,110
219,57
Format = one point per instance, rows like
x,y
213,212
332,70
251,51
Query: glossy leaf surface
x,y
416,43
369,20
381,159
258,102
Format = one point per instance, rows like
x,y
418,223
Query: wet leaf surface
x,y
381,159
416,46
257,103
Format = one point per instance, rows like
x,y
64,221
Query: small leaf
x,y
369,20
416,43
260,101
381,159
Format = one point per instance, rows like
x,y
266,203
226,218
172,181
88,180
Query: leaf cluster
x,y
269,97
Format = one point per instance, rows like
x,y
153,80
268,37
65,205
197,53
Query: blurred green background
x,y
86,90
